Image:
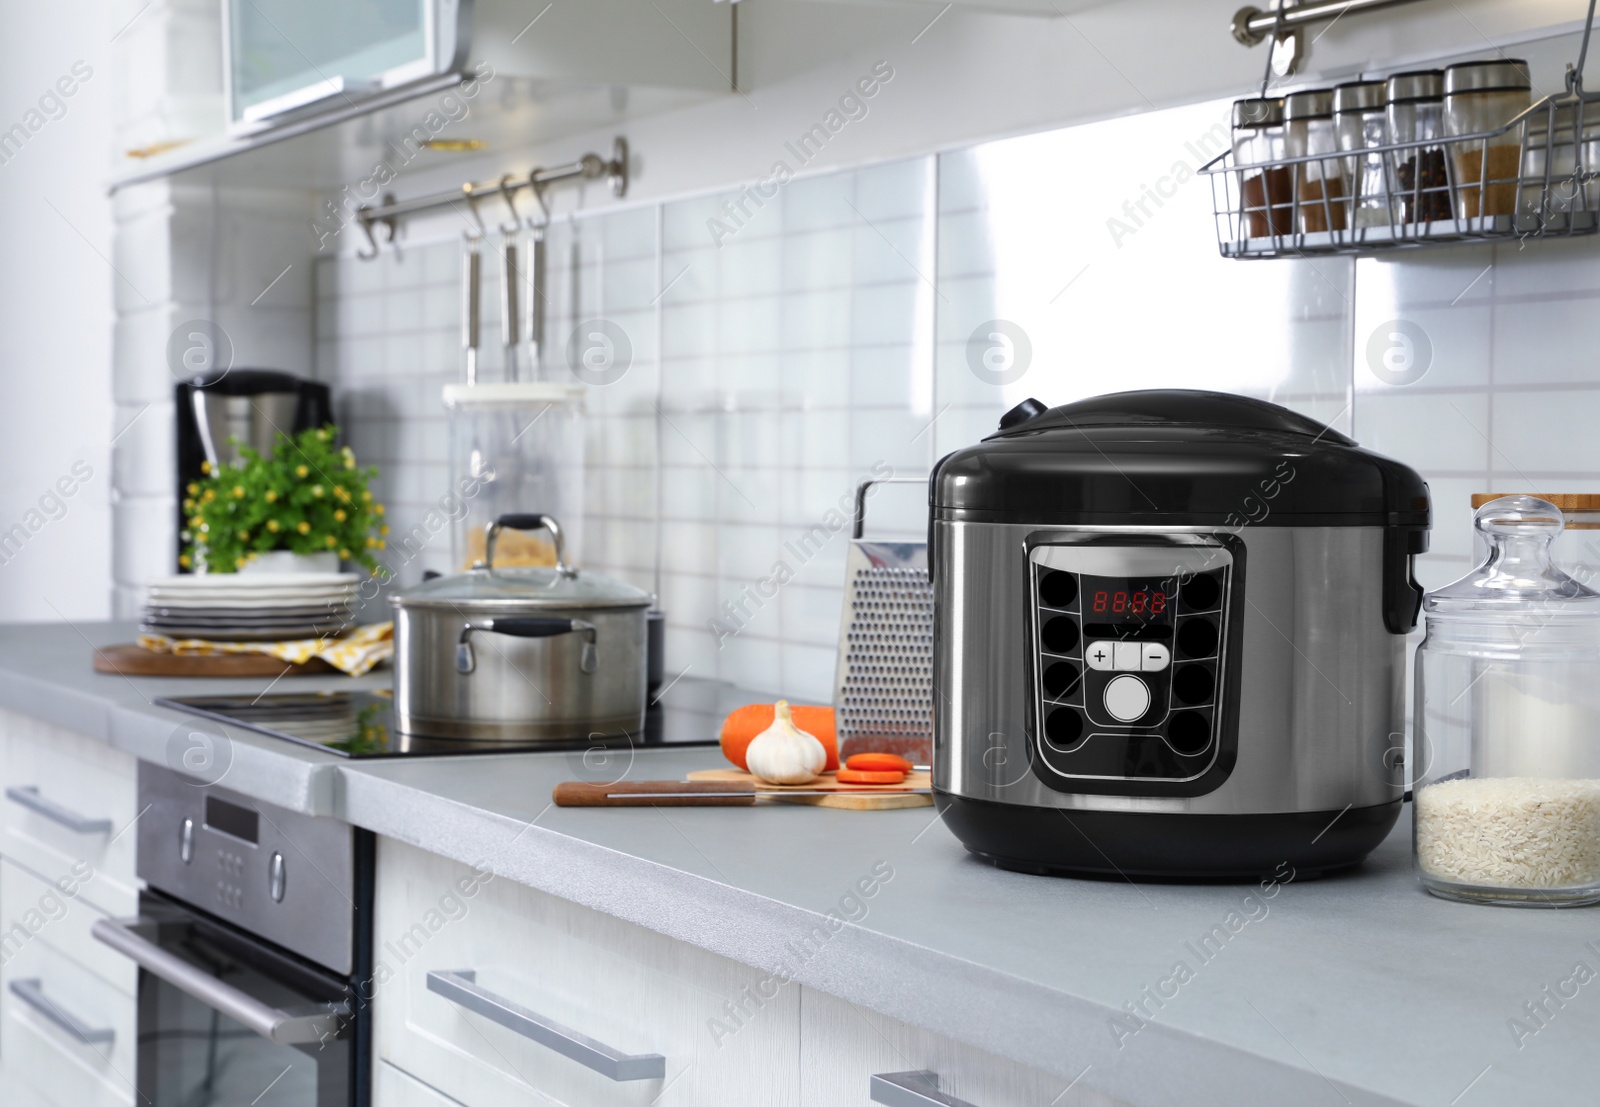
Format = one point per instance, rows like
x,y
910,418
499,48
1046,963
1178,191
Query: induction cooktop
x,y
361,724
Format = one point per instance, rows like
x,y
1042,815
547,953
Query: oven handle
x,y
298,1026
461,988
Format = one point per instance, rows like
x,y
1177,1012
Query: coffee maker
x,y
222,410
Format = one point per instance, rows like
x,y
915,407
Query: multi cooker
x,y
1169,638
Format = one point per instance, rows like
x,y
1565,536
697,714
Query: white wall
x,y
56,426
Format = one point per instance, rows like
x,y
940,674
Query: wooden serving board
x,y
133,660
850,797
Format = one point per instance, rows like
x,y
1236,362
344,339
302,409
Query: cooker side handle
x,y
1402,595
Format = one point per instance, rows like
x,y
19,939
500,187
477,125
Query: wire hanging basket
x,y
1537,176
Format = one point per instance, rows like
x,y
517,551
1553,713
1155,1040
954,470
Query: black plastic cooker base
x,y
1164,846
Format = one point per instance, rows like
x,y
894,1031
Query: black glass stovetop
x,y
361,724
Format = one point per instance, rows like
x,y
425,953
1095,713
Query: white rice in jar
x,y
1510,832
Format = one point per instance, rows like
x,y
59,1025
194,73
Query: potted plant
x,y
304,508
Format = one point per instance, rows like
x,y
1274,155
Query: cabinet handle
x,y
911,1089
31,992
460,987
30,798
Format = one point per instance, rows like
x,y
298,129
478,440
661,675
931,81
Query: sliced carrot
x,y
864,776
878,763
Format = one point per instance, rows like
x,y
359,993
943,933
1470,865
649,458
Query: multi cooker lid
x,y
1174,457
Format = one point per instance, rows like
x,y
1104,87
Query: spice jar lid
x,y
1418,84
1316,103
1493,75
1257,112
1358,96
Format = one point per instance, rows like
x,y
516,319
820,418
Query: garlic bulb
x,y
785,754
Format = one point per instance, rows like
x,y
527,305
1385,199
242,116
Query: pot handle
x,y
525,626
519,520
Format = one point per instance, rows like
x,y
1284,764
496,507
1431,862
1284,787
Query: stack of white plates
x,y
250,607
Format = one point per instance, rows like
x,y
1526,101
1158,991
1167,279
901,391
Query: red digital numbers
x,y
1130,603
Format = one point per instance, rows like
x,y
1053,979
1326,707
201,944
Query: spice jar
x,y
1266,193
1507,723
1484,96
1415,110
1359,125
1319,189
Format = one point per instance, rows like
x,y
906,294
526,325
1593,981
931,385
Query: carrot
x,y
878,763
741,726
862,776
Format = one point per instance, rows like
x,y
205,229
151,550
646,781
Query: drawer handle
x,y
30,798
911,1089
31,992
460,987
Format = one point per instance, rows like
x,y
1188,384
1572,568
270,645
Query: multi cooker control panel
x,y
1129,650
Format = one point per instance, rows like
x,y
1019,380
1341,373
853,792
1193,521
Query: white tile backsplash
x,y
826,330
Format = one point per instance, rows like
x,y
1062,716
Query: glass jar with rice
x,y
1507,723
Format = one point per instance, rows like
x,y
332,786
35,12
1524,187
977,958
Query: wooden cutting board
x,y
850,797
133,660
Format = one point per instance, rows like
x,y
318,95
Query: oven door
x,y
224,1018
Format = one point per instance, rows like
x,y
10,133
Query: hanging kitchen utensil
x,y
535,279
471,288
883,694
510,278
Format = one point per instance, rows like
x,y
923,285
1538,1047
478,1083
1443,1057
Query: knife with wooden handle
x,y
707,793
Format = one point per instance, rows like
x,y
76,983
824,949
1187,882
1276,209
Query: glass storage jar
x,y
1359,125
1507,723
1318,185
1266,193
1415,110
1483,96
514,447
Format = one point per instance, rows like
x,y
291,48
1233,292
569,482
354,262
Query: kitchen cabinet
x,y
67,800
505,958
391,1087
844,1045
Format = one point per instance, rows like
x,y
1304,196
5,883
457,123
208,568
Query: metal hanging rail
x,y
1251,25
590,167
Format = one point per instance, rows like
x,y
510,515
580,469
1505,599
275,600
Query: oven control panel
x,y
1130,662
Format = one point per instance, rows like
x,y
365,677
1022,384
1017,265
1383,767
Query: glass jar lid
x,y
1493,75
533,589
1315,103
1518,580
1257,112
1416,85
1358,96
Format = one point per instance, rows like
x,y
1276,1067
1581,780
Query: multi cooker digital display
x,y
1170,638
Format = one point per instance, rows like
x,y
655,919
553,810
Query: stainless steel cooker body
x,y
586,682
1312,688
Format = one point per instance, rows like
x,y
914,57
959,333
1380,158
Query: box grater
x,y
883,693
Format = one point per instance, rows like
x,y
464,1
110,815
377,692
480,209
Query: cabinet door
x,y
538,960
843,1045
67,801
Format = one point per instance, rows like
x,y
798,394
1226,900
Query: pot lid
x,y
1174,457
533,588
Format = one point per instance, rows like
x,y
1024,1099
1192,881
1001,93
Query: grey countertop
x,y
1351,989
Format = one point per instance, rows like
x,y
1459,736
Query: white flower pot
x,y
287,561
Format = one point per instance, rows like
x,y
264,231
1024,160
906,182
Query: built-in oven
x,y
253,944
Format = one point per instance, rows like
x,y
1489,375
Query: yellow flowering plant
x,y
308,496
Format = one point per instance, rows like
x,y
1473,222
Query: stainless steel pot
x,y
519,654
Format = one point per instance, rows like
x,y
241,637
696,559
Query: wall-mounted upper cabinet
x,y
312,90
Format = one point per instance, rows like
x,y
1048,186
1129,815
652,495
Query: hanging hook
x,y
366,228
472,205
538,194
506,194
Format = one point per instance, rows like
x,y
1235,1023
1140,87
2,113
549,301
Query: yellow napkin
x,y
355,653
